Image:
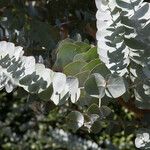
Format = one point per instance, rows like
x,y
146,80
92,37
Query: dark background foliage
x,y
43,23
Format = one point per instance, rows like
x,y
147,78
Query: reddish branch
x,y
131,107
91,31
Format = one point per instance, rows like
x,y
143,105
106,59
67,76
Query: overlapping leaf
x,y
123,41
19,70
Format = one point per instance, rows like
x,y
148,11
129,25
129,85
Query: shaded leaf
x,y
95,85
115,87
74,68
75,120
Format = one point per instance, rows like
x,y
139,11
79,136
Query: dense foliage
x,y
102,92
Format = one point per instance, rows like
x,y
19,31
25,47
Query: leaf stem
x,y
99,102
